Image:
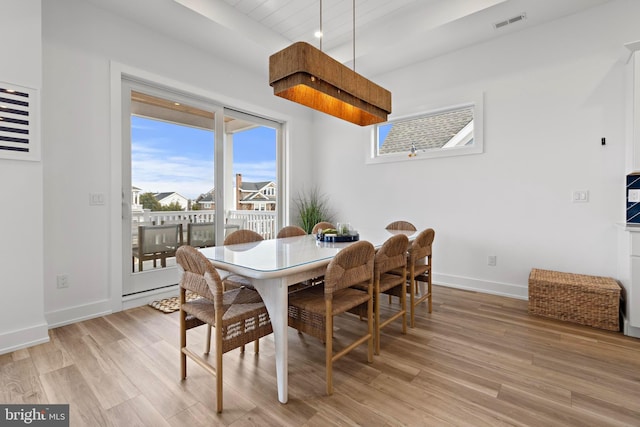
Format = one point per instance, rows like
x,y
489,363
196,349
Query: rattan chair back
x,y
194,266
401,225
290,231
324,225
242,236
392,254
351,266
421,247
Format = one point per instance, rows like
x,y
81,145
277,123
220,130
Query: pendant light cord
x,y
354,32
354,35
321,33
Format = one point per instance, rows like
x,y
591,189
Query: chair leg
x,y
183,337
370,327
256,346
218,336
412,297
430,293
207,345
376,313
329,348
403,305
218,378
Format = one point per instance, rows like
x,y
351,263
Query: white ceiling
x,y
389,34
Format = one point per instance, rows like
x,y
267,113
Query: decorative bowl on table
x,y
333,235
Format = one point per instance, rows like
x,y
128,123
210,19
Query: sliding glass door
x,y
193,171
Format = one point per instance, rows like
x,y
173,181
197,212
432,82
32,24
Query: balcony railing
x,y
262,222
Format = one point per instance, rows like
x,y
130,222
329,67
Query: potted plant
x,y
312,209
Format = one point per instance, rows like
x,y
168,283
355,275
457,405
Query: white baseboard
x,y
23,338
143,298
628,330
78,313
484,286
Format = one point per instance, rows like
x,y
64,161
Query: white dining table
x,y
275,264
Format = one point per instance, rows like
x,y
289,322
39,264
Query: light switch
x,y
634,196
580,196
96,199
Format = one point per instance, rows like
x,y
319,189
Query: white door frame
x,y
117,198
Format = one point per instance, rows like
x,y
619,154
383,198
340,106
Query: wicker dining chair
x,y
312,310
392,255
323,225
290,231
401,225
238,315
419,263
234,238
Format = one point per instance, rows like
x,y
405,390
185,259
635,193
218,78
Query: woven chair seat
x,y
234,281
420,270
390,281
312,300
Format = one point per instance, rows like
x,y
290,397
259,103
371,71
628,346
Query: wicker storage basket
x,y
578,298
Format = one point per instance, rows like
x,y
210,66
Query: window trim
x,y
477,102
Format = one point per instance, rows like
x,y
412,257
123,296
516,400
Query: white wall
x,y
22,320
551,93
81,43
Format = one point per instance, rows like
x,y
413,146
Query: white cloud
x,y
155,170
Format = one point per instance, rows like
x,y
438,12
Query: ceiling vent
x,y
509,21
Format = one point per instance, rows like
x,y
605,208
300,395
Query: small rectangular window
x,y
451,131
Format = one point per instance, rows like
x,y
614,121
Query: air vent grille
x,y
18,139
509,21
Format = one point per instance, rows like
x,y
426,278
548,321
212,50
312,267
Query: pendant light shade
x,y
303,74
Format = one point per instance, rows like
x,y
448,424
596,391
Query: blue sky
x,y
167,157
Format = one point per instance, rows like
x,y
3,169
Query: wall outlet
x,y
634,196
491,260
62,281
580,196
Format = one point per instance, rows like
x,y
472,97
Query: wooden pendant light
x,y
306,75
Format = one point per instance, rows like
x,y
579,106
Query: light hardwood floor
x,y
477,360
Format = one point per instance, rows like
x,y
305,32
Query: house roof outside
x,y
252,191
161,197
428,132
207,197
255,192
